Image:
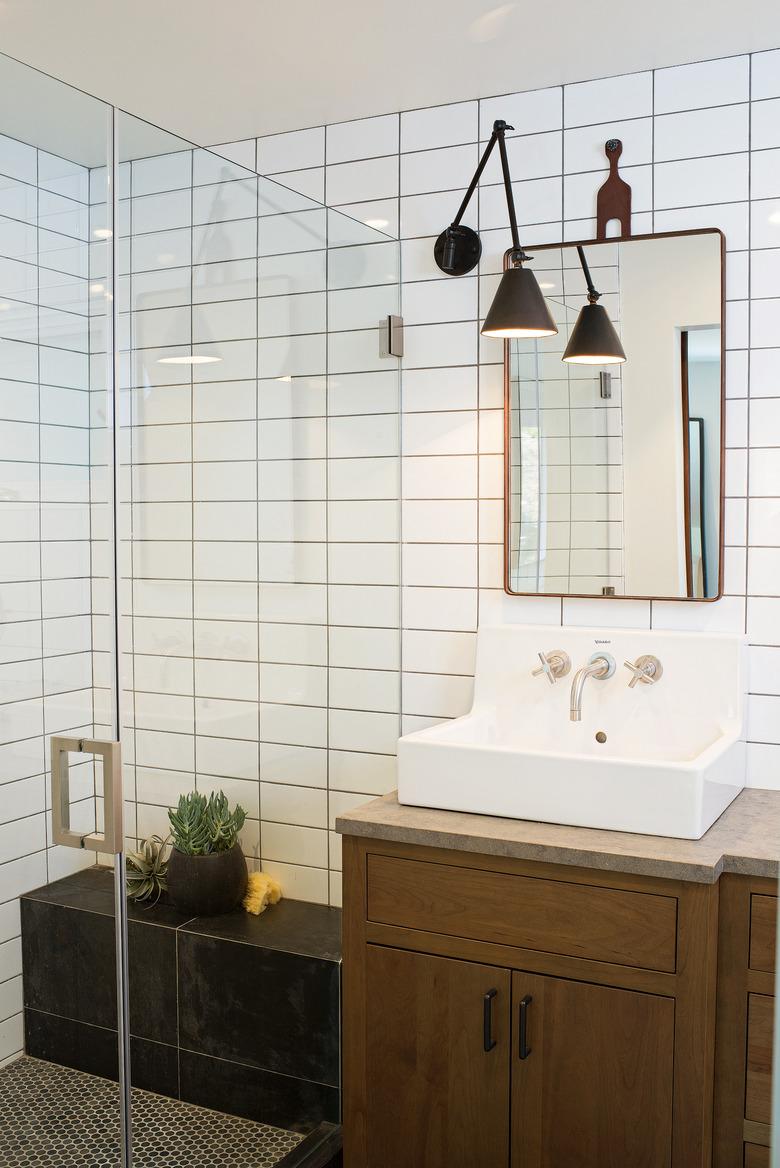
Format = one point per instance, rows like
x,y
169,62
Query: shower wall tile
x,y
532,112
363,138
685,134
592,102
292,151
704,84
46,642
764,78
446,125
248,599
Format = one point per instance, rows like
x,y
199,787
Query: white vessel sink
x,y
672,761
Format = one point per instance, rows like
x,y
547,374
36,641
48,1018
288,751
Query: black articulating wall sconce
x,y
593,339
519,308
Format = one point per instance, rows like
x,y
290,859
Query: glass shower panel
x,y
57,642
259,601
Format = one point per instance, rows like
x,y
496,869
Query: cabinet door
x,y
760,1032
437,1091
592,1074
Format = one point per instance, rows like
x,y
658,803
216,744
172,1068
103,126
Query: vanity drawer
x,y
763,926
579,920
756,1156
758,1102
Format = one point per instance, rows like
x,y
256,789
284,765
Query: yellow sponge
x,y
261,890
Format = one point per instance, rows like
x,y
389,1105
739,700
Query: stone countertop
x,y
745,840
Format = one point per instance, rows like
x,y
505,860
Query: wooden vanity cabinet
x,y
745,1018
509,1014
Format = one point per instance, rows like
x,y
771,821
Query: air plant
x,y
147,871
201,826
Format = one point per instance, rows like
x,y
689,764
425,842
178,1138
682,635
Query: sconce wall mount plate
x,y
458,249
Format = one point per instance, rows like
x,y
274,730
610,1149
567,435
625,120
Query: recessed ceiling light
x,y
377,223
102,233
192,359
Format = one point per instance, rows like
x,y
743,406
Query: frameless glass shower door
x,y
60,785
252,388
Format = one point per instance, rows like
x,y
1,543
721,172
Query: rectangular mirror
x,y
614,471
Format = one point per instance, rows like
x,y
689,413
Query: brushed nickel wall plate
x,y
391,336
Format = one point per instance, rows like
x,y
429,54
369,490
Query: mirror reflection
x,y
614,425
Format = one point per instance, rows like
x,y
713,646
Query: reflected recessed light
x,y
193,359
103,233
546,286
166,257
97,288
4,307
287,378
774,217
377,223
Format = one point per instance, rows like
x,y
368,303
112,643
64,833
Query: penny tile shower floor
x,y
51,1115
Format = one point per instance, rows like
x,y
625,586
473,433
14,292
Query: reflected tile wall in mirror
x,y
599,467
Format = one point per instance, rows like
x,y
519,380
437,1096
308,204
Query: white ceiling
x,y
219,71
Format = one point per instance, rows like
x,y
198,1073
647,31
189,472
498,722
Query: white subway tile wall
x,y
309,547
701,149
260,544
47,665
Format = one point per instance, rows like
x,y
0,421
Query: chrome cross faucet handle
x,y
555,664
646,669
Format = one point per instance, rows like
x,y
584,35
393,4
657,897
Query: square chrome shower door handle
x,y
111,753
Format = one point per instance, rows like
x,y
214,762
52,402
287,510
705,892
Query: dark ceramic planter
x,y
207,885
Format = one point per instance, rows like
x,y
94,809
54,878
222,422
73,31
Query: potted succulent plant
x,y
147,872
207,872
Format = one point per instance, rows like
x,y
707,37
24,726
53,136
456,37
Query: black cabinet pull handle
x,y
524,1048
488,1041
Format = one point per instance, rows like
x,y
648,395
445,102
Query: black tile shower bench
x,y
236,1013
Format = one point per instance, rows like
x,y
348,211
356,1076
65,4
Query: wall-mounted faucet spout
x,y
601,666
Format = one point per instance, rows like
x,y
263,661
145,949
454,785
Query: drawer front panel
x,y
758,1098
579,920
763,927
756,1156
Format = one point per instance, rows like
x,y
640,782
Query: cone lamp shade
x,y
594,340
519,308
